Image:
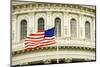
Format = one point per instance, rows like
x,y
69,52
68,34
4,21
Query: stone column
x,y
93,29
35,22
49,21
14,28
18,30
81,27
31,23
66,25
62,25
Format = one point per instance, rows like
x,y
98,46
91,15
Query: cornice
x,y
53,5
36,7
15,53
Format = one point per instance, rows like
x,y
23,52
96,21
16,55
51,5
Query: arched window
x,y
73,28
87,30
57,27
40,25
23,29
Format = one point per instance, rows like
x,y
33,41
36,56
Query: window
x,y
23,29
58,27
73,28
87,30
40,25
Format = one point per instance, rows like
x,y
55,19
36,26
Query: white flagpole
x,y
57,48
57,54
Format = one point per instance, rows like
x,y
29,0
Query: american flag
x,y
40,39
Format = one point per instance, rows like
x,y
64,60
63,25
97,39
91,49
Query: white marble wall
x,y
49,17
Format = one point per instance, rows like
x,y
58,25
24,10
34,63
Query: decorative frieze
x,y
54,6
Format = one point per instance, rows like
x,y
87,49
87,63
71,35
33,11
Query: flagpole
x,y
57,54
57,45
57,50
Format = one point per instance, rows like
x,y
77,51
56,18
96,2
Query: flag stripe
x,y
35,38
31,43
30,40
33,46
40,45
37,34
42,42
45,45
40,39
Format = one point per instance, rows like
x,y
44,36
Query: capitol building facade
x,y
75,32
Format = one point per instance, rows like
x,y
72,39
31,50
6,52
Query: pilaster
x,y
31,23
49,20
81,27
14,31
66,25
94,29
